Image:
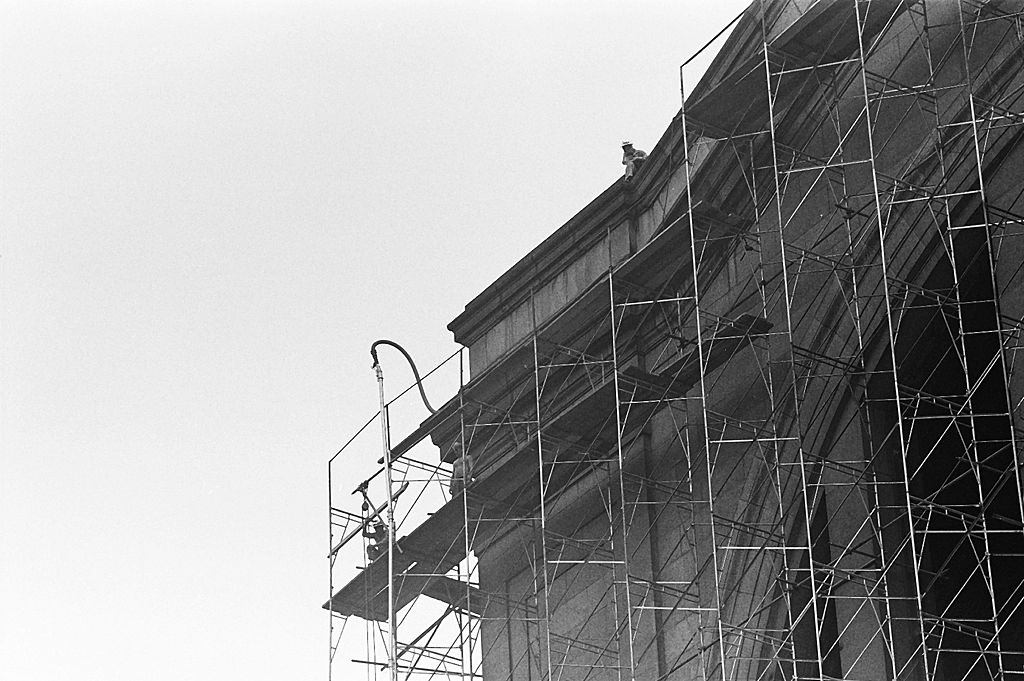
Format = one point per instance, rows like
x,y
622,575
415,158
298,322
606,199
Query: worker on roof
x,y
632,159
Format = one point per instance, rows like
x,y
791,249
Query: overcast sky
x,y
208,211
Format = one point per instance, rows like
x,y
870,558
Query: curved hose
x,y
419,381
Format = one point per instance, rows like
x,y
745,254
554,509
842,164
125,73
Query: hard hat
x,y
627,143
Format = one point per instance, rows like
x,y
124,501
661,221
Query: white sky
x,y
207,213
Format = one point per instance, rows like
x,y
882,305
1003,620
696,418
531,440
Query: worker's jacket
x,y
632,160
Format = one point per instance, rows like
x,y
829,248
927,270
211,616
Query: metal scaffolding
x,y
777,439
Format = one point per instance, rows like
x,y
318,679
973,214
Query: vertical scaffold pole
x,y
386,448
467,476
702,364
808,497
621,462
330,577
890,329
542,494
977,464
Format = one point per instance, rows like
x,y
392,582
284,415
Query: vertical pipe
x,y
703,388
870,464
977,464
543,509
808,497
891,331
619,425
541,492
392,622
330,577
467,476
